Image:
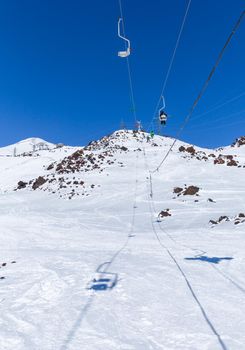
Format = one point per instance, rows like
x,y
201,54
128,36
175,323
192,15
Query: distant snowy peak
x,y
26,146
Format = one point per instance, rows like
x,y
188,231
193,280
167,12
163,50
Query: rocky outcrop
x,y
38,182
164,213
186,191
219,160
239,142
226,159
191,191
178,190
238,219
21,184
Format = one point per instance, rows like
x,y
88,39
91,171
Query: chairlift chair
x,y
125,53
162,114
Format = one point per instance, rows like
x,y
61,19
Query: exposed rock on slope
x,y
186,191
226,159
238,219
72,175
164,213
239,142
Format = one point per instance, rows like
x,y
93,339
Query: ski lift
x,y
125,53
162,114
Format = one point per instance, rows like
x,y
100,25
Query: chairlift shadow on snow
x,y
103,279
213,260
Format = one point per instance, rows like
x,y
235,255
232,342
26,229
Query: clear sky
x,y
61,79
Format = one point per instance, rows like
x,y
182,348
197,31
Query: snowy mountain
x,y
100,251
27,146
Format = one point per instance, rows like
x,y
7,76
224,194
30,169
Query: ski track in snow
x,y
181,283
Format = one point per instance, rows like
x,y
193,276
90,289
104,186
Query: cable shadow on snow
x,y
231,280
77,323
213,260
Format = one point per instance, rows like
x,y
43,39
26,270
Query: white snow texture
x,y
86,263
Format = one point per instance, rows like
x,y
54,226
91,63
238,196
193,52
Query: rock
x,y
38,182
182,149
164,213
191,150
239,142
219,160
232,162
213,222
236,220
223,218
50,167
211,200
191,190
177,190
21,184
230,157
77,154
123,148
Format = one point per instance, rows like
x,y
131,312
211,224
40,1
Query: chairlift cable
x,y
198,116
183,274
96,284
171,61
128,67
222,125
224,119
203,89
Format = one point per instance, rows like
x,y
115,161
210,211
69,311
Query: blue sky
x,y
61,79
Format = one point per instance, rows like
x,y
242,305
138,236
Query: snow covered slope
x,y
99,253
30,145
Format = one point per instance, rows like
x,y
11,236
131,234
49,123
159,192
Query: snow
x,y
24,146
181,281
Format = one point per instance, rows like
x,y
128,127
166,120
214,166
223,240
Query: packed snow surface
x,y
101,270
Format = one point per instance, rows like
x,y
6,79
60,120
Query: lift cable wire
x,y
182,272
128,68
226,120
203,89
198,251
171,62
212,109
132,225
84,310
